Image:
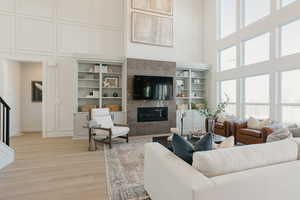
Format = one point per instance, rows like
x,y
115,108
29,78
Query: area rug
x,y
124,169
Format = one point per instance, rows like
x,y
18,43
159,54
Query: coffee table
x,y
163,140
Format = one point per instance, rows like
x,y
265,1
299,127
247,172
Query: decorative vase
x,y
210,125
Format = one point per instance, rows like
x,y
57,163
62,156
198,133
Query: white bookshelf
x,y
95,84
190,86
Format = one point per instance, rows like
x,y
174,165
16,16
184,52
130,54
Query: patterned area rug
x,y
125,166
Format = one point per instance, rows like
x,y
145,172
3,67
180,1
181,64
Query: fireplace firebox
x,y
152,114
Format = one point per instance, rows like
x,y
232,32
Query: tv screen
x,y
153,88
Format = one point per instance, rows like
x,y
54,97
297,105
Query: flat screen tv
x,y
153,88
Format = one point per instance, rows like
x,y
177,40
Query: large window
x,y
255,10
227,17
257,49
286,2
228,89
290,96
228,58
257,97
290,40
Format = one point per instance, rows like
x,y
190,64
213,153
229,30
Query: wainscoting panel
x,y
34,35
6,32
37,8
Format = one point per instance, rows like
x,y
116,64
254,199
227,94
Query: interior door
x,y
49,99
66,93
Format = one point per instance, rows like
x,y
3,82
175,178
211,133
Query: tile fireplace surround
x,y
149,68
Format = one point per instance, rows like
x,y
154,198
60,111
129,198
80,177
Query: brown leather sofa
x,y
245,135
225,129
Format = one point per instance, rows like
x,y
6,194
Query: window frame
x,y
219,57
282,104
219,24
251,38
244,104
243,10
280,49
235,103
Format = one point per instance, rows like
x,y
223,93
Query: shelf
x,y
180,77
87,72
111,88
88,97
112,73
87,87
197,97
111,97
88,80
182,97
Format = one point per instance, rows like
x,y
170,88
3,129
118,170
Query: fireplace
x,y
152,114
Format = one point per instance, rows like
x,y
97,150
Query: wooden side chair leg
x,y
110,139
127,138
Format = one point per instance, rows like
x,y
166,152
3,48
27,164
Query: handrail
x,y
4,103
4,122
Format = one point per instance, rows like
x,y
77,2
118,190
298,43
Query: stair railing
x,y
4,122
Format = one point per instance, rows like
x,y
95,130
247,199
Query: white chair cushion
x,y
258,124
225,161
104,121
119,131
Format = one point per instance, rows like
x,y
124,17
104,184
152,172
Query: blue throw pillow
x,y
205,143
183,149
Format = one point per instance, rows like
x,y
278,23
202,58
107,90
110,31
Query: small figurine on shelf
x,y
105,95
115,94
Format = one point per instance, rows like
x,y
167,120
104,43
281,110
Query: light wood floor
x,y
53,169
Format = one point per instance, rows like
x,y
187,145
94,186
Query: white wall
x,y
31,112
12,93
54,30
188,43
276,63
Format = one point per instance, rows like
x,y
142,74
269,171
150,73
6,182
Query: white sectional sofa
x,y
255,172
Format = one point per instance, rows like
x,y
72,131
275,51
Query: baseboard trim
x,y
59,134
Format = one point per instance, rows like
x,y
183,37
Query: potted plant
x,y
212,114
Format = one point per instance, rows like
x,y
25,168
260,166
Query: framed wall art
x,y
152,29
164,7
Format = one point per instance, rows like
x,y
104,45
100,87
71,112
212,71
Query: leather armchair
x,y
245,135
225,129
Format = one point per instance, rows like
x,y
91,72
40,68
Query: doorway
x,y
23,87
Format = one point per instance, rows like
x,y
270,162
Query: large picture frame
x,y
152,29
164,7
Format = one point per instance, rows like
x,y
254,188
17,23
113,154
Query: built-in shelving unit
x,y
190,86
99,84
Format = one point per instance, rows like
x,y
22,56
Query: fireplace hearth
x,y
152,114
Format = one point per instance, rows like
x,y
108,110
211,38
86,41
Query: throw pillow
x,y
205,143
253,123
182,148
264,123
279,134
295,132
227,143
257,124
225,117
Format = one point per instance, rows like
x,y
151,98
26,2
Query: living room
x,y
141,98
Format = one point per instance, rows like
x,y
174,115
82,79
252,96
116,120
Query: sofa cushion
x,y
279,134
225,161
182,148
295,132
250,132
